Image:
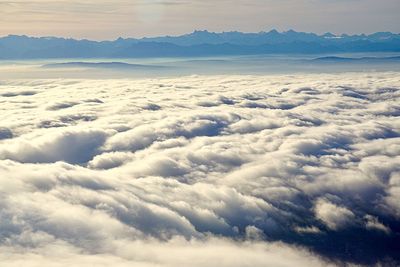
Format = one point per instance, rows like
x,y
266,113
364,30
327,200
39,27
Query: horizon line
x,y
192,32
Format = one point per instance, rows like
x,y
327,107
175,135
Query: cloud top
x,y
278,170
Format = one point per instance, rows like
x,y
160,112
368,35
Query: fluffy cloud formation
x,y
270,170
176,252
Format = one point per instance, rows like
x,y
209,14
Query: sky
x,y
105,19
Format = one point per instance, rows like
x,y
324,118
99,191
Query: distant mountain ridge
x,y
103,65
197,44
271,37
361,59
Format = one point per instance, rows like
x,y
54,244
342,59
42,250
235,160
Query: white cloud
x,y
174,253
335,217
188,182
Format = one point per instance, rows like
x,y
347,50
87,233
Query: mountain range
x,y
197,44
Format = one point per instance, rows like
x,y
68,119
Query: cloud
x,y
176,252
72,146
335,217
184,171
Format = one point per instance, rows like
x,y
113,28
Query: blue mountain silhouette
x,y
197,44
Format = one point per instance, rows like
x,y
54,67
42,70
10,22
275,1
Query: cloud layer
x,y
270,170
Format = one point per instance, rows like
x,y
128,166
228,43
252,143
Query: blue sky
x,y
105,19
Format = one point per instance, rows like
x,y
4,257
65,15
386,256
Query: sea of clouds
x,y
289,170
